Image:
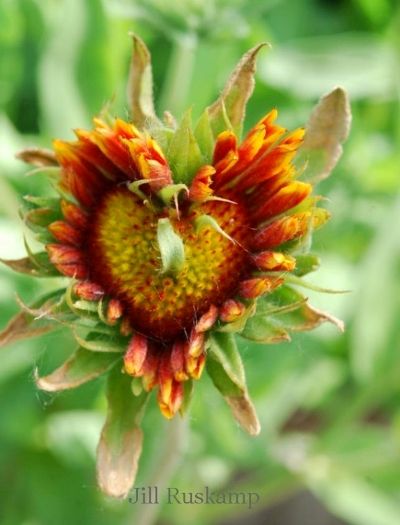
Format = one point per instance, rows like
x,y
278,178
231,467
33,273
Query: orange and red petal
x,y
200,188
74,214
281,231
88,290
284,199
65,233
274,261
257,286
68,260
135,355
231,310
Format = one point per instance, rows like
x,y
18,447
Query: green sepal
x,y
100,342
171,191
204,221
261,329
224,364
39,218
183,154
171,247
82,366
205,138
225,367
33,265
121,438
282,311
306,263
32,321
40,261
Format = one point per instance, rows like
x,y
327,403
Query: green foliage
x,y
328,403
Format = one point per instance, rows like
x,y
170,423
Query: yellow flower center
x,y
124,257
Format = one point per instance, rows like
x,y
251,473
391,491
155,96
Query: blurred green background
x,y
329,403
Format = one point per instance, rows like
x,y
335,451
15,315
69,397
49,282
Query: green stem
x,y
177,84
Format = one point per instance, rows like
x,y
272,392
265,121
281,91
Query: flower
x,y
173,239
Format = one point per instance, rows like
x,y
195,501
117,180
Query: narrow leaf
x,y
204,136
171,247
81,367
121,439
24,325
140,85
183,153
224,365
327,129
223,349
27,266
261,330
235,94
205,221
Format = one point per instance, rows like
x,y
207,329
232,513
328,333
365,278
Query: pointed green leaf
x,y
205,138
235,94
120,443
183,153
27,266
327,129
98,342
204,221
171,191
284,310
25,325
140,85
81,367
224,365
306,264
262,330
171,247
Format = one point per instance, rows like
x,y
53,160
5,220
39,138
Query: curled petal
x,y
170,393
195,365
115,311
178,361
88,291
65,233
195,344
282,230
68,260
225,143
286,198
207,320
126,328
200,187
135,355
231,310
252,288
274,261
150,369
170,398
74,214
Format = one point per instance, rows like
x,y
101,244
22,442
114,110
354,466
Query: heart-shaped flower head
x,y
173,239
